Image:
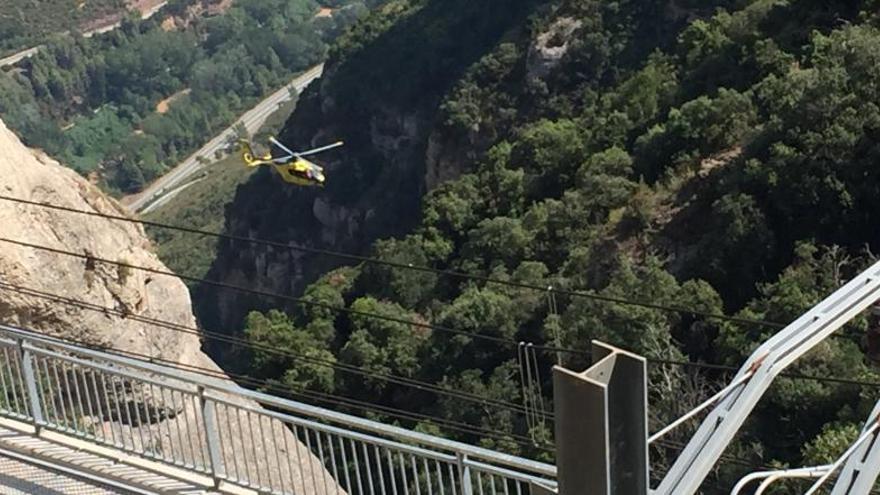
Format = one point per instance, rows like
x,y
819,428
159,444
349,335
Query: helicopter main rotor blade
x,y
285,148
281,160
321,149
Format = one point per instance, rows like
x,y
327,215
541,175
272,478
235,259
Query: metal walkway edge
x,y
107,471
24,475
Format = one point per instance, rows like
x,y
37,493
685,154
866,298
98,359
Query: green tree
x,y
410,288
830,444
382,346
635,328
501,385
696,130
497,240
281,347
550,152
736,247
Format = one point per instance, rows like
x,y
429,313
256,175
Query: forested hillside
x,y
714,156
25,23
123,106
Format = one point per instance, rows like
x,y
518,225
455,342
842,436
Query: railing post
x,y
464,474
30,382
212,435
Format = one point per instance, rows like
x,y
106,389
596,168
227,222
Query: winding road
x,y
163,188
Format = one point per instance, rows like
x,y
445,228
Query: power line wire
x,y
376,316
286,389
392,378
784,374
484,279
261,293
298,300
449,424
406,266
659,473
374,261
356,312
733,369
679,446
404,381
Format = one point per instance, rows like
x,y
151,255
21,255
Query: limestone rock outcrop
x,y
30,276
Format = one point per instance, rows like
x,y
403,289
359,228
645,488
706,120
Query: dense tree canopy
x,y
718,156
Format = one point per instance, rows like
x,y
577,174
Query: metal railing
x,y
239,436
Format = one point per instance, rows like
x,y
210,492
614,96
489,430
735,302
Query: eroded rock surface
x,y
32,279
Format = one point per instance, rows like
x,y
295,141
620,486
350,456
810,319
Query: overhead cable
x,y
406,266
377,316
399,380
244,290
414,383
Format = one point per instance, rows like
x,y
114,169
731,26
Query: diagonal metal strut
x,y
770,359
862,467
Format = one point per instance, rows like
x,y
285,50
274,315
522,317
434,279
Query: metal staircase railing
x,y
239,436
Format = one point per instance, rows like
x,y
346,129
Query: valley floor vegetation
x,y
122,107
24,23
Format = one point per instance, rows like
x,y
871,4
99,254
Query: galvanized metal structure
x,y
233,435
862,467
767,478
861,463
602,425
761,368
600,413
858,478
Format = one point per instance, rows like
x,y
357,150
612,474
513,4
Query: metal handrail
x,y
430,454
213,427
292,406
716,431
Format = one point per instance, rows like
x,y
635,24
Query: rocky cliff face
x,y
32,176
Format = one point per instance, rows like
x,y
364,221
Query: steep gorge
x,y
714,156
382,96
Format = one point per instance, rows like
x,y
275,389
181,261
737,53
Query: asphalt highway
x,y
158,192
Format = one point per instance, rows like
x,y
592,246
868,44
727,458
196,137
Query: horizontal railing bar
x,y
507,473
12,414
109,369
353,435
300,408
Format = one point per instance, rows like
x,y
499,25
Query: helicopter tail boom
x,y
249,157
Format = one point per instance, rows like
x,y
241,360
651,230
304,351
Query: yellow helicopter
x,y
292,166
